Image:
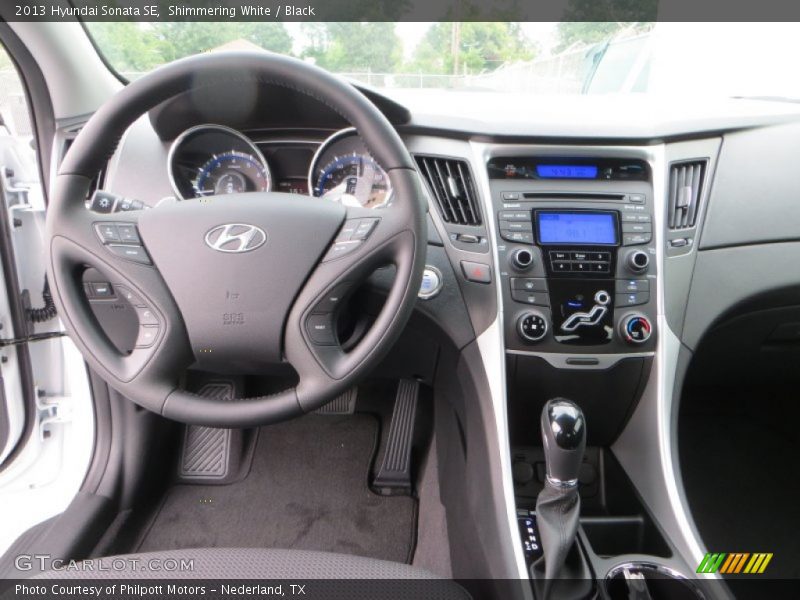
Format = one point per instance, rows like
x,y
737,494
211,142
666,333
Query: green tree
x,y
128,46
470,47
354,47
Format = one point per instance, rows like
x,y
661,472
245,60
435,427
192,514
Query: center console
x,y
577,256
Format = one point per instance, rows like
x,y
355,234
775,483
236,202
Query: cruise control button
x,y
132,298
320,329
529,284
132,253
340,249
633,299
107,232
128,233
632,285
147,336
535,298
146,316
102,290
332,299
364,228
477,272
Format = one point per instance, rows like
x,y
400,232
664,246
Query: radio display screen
x,y
566,171
576,228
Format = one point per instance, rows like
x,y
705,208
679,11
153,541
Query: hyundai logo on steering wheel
x,y
235,237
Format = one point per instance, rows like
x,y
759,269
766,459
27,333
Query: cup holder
x,y
649,580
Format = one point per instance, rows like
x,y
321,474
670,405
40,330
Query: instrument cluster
x,y
213,160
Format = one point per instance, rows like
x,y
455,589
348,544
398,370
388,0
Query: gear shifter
x,y
558,505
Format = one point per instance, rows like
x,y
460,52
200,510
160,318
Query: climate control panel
x,y
577,266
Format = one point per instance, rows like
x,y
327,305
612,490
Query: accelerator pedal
x,y
206,454
394,477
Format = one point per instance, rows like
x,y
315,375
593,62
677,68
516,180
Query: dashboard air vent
x,y
453,188
685,192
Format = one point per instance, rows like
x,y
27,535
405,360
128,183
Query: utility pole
x,y
455,46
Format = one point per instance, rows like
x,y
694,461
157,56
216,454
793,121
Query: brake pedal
x,y
394,476
343,404
206,453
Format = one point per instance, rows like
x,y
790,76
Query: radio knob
x,y
637,261
635,328
522,259
532,326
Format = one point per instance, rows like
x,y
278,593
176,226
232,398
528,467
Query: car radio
x,y
576,263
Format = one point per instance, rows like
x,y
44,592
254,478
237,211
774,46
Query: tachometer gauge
x,y
210,160
231,173
344,172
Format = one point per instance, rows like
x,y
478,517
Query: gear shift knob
x,y
564,438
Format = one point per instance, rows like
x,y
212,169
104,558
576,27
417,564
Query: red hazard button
x,y
477,272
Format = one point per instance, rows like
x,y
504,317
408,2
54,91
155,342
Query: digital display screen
x,y
576,228
566,171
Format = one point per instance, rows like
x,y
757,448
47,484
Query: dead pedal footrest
x,y
206,453
394,476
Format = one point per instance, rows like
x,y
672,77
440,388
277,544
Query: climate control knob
x,y
532,326
637,261
635,329
522,259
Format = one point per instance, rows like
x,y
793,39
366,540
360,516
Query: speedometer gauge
x,y
344,172
232,172
210,160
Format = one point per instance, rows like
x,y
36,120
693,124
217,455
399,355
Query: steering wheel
x,y
241,282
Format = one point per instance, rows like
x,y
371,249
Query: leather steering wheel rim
x,y
151,376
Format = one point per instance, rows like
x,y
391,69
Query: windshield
x,y
718,59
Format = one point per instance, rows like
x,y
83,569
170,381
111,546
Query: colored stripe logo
x,y
735,563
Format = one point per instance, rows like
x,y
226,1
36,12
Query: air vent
x,y
453,189
685,191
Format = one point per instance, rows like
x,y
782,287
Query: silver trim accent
x,y
562,484
251,238
179,140
559,360
626,567
527,314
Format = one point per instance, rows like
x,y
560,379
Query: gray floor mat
x,y
307,489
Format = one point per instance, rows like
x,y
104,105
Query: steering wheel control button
x,y
339,249
128,233
364,229
535,298
320,329
102,290
347,230
126,204
146,316
332,299
107,232
632,299
532,326
135,254
476,272
147,336
635,329
431,283
132,298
